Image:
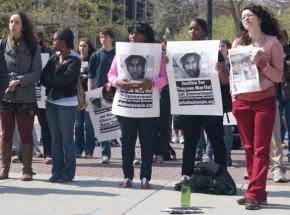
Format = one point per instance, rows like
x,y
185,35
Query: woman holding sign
x,y
144,127
255,111
192,124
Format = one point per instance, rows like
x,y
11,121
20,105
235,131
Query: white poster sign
x,y
229,119
244,75
193,81
39,89
137,61
106,125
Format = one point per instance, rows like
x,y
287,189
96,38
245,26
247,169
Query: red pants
x,y
255,121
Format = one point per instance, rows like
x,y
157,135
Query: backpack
x,y
212,178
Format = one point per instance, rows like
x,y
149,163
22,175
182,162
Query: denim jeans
x,y
284,110
61,125
105,148
84,133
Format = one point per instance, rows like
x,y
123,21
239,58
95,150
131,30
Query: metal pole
x,y
209,18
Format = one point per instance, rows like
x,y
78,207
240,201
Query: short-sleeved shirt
x,y
99,66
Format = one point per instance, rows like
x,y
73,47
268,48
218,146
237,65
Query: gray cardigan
x,y
24,67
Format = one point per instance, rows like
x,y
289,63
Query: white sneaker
x,y
279,176
175,139
136,162
181,139
105,159
207,159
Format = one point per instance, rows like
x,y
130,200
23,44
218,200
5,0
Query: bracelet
x,y
262,64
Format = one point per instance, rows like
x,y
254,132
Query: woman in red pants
x,y
255,111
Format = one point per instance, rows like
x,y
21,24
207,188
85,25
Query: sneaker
x,y
251,204
136,162
207,159
279,176
53,178
115,143
198,158
181,139
145,184
126,183
105,159
243,200
16,159
175,139
48,160
88,156
177,186
64,179
78,155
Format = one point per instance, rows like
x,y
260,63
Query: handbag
x,y
81,95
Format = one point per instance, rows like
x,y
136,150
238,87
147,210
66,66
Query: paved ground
x,y
170,170
94,191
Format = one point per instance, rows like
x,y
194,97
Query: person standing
x,y
22,55
255,111
60,77
192,124
132,127
99,67
84,131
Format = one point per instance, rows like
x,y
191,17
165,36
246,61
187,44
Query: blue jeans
x,y
284,108
105,148
84,133
61,125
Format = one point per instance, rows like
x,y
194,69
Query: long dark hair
x,y
143,28
90,45
269,24
27,31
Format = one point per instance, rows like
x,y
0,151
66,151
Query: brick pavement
x,y
170,170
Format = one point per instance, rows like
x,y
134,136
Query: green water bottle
x,y
185,191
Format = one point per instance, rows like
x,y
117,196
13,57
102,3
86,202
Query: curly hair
x,y
269,24
27,30
143,28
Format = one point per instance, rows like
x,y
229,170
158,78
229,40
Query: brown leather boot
x,y
6,151
27,153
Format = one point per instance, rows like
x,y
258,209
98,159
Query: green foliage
x,y
223,27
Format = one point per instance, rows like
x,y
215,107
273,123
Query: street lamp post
x,y
209,18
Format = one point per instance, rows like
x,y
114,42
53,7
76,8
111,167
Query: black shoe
x,y
177,186
243,200
229,161
252,204
53,178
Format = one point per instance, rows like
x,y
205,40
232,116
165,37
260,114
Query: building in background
x,y
139,10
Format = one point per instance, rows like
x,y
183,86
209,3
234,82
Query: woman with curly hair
x,y
255,111
22,55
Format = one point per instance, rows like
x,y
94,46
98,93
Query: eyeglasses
x,y
247,16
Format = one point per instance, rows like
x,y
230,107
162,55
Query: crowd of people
x,y
67,131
